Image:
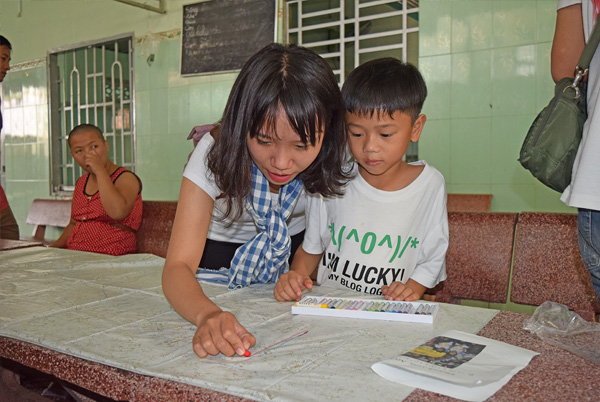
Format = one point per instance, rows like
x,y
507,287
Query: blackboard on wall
x,y
220,35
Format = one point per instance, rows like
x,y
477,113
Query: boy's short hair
x,y
385,85
5,42
83,128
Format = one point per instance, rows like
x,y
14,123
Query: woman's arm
x,y
218,331
568,42
61,242
118,198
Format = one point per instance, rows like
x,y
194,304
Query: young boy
x,y
107,202
388,234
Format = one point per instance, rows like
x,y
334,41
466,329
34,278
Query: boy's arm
x,y
291,284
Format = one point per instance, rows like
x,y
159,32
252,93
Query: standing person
x,y
574,23
106,210
242,195
388,234
9,229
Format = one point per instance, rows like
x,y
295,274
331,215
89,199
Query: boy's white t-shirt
x,y
243,229
371,237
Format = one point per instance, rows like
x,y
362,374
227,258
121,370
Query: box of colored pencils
x,y
418,311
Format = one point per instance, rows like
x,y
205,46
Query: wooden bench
x,y
47,212
155,231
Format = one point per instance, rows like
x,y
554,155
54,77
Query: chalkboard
x,y
220,35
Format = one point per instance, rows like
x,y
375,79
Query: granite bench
x,y
155,231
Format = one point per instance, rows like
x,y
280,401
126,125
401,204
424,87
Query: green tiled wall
x,y
487,67
486,63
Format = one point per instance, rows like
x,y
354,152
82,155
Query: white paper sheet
x,y
457,364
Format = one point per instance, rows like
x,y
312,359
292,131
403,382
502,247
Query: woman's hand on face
x,y
222,333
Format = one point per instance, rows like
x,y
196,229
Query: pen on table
x,y
420,309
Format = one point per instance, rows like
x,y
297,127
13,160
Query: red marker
x,y
247,353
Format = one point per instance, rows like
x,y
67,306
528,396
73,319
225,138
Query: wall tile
x,y
513,80
14,124
142,114
159,106
434,145
513,197
508,133
30,123
514,22
469,188
220,92
178,110
466,166
437,72
471,84
201,104
435,28
548,200
42,123
546,15
471,25
544,85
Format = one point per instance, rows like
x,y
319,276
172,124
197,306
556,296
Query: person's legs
x,y
588,227
9,229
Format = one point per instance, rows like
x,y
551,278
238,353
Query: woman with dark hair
x,y
240,213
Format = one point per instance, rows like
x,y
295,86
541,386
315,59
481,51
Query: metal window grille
x,y
348,33
90,83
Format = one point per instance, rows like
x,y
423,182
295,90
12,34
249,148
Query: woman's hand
x,y
222,333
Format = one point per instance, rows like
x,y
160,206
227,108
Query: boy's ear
x,y
417,128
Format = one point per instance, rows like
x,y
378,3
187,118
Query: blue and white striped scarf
x,y
265,257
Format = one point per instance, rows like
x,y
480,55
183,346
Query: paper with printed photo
x,y
457,364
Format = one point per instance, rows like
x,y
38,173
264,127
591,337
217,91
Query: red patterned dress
x,y
97,232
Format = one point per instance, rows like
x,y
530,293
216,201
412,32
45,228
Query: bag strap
x,y
581,70
590,48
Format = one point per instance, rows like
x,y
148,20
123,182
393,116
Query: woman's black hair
x,y
385,86
300,83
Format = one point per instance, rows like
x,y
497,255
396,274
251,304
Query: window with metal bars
x,y
90,83
348,33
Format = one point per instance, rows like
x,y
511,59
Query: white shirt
x,y
584,190
372,237
244,229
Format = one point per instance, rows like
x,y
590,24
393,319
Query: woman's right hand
x,y
222,333
290,285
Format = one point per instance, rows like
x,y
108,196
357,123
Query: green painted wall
x,y
486,63
487,66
